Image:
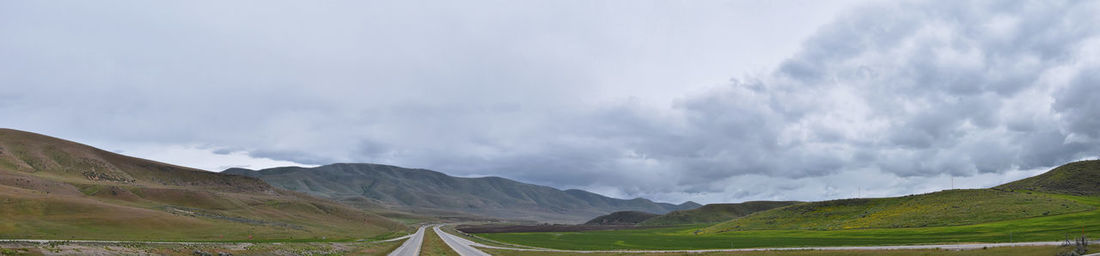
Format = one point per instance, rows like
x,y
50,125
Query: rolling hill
x,y
56,189
622,218
1033,209
1014,200
944,208
714,213
1077,178
431,192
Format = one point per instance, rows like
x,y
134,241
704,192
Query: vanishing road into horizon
x,y
411,247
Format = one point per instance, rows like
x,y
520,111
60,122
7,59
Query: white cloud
x,y
203,158
625,97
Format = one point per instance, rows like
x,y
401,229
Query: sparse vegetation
x,y
1077,247
46,192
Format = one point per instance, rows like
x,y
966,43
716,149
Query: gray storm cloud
x,y
887,98
905,89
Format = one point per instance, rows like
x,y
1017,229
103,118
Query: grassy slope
x,y
944,208
1046,228
985,215
1077,178
170,249
56,189
621,218
713,213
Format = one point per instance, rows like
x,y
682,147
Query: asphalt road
x,y
411,247
467,248
471,244
460,245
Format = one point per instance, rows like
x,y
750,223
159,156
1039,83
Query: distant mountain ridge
x,y
714,213
420,190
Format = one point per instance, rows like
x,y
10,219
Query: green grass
x,y
1044,228
477,239
434,246
944,208
1077,178
998,251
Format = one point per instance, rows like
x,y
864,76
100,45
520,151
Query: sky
x,y
708,101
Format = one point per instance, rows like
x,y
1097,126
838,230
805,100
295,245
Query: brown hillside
x,y
56,189
66,160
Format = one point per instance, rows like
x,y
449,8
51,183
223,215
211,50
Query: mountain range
x,y
430,192
52,188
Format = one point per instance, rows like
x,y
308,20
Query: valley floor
x,y
1000,251
1047,228
439,242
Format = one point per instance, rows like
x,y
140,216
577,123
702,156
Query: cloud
x,y
626,98
909,90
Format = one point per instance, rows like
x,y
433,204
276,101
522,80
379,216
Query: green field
x,y
999,251
1043,228
944,208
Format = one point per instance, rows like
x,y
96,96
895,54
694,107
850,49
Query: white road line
x,y
411,247
460,245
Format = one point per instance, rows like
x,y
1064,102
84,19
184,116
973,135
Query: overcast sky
x,y
710,101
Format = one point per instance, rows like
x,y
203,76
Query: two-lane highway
x,y
411,247
465,247
460,245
